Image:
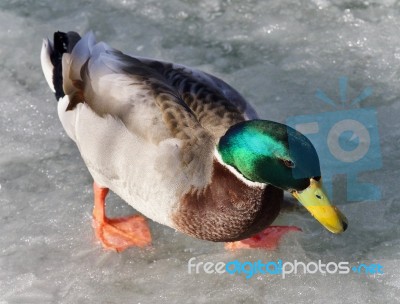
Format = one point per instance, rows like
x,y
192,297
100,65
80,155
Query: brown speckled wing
x,y
216,105
114,83
141,96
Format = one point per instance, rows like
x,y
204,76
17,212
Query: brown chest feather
x,y
227,209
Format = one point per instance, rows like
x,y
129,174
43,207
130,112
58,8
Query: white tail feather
x,y
45,60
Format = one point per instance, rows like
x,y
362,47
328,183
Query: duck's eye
x,y
288,163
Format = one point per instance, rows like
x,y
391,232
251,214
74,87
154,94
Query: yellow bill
x,y
315,200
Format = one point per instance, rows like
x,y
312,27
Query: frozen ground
x,y
277,54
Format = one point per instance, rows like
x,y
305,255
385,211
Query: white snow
x,y
277,54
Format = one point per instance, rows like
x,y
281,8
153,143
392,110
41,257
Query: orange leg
x,y
120,233
266,239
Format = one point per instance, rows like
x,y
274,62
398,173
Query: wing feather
x,y
154,99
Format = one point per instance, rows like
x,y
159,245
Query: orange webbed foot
x,y
266,239
119,233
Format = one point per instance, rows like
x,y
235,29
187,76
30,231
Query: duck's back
x,y
146,129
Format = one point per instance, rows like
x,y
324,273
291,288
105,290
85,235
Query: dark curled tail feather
x,y
63,43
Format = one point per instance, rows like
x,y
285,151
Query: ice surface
x,y
277,54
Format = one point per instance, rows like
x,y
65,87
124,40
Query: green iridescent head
x,y
269,152
273,153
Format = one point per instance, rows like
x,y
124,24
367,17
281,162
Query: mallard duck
x,y
180,146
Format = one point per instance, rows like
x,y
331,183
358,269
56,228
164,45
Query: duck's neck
x,y
228,208
236,173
